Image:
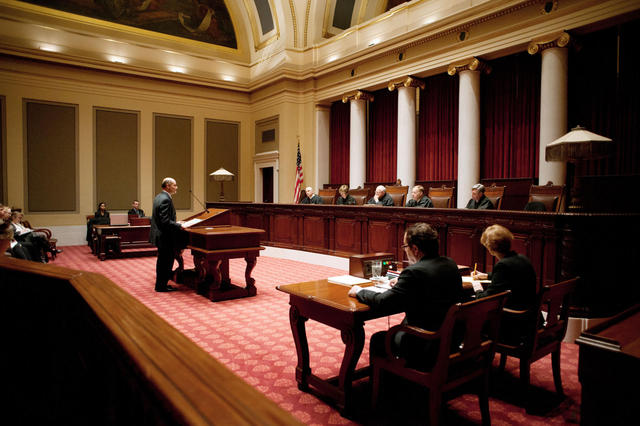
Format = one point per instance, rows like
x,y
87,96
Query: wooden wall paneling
x,y
381,235
348,231
285,229
330,232
313,232
255,220
460,245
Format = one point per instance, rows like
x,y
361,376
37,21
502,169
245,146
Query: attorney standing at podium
x,y
166,233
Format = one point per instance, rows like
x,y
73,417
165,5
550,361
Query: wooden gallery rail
x,y
600,248
78,350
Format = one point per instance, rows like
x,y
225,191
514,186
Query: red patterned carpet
x,y
252,337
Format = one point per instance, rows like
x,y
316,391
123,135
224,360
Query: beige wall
x,y
20,79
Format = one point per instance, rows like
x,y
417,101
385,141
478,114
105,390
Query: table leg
x,y
353,338
251,263
303,370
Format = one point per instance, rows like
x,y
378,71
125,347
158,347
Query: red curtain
x,y
510,122
339,128
383,135
437,139
604,96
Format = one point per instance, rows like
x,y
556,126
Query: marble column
x,y
553,102
406,148
468,126
358,137
323,117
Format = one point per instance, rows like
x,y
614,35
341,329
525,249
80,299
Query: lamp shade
x,y
222,175
578,144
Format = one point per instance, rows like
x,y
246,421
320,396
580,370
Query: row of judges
x,y
418,198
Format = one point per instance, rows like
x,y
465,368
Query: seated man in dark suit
x,y
418,199
424,291
34,242
135,209
478,199
381,198
311,197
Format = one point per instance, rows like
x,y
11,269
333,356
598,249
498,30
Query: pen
x,y
475,268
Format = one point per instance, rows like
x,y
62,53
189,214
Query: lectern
x,y
213,241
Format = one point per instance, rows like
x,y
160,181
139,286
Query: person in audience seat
x,y
513,272
381,198
424,291
135,209
345,198
35,242
6,230
311,198
478,199
418,199
100,217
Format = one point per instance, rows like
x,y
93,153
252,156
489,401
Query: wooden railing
x,y
77,349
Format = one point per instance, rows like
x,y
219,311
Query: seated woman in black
x,y
512,272
100,217
345,198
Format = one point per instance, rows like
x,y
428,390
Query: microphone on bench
x,y
198,200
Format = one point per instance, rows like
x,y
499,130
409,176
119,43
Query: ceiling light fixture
x,y
50,48
177,69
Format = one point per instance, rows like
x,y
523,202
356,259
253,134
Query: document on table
x,y
477,284
348,280
191,222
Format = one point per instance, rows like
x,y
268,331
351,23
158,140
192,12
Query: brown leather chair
x,y
328,196
549,195
361,195
495,194
541,336
442,197
398,194
455,364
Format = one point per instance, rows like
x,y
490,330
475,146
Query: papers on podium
x,y
348,280
191,222
477,284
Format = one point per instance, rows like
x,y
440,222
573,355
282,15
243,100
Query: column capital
x,y
357,95
560,39
472,64
408,81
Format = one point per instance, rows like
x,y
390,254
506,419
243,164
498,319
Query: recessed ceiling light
x,y
50,47
228,78
177,69
118,59
332,58
169,51
430,20
374,42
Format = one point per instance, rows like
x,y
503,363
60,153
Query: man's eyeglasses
x,y
404,246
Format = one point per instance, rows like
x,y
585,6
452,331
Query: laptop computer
x,y
119,219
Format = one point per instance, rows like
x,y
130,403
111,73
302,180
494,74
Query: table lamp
x,y
221,175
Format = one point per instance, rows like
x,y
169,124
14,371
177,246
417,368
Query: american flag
x,y
299,177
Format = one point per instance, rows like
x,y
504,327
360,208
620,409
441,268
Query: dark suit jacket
x,y
422,202
513,272
483,203
139,212
165,231
99,219
346,201
386,200
313,200
425,291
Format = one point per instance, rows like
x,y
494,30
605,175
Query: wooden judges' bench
x,y
600,248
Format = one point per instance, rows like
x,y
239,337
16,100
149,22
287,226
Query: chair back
x,y
398,194
441,197
361,195
551,196
328,195
495,194
554,300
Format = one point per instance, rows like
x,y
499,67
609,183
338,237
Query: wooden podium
x,y
213,241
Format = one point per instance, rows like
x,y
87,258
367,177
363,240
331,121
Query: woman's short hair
x,y
497,238
423,236
344,188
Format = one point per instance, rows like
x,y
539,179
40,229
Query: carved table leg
x,y
302,347
353,338
251,263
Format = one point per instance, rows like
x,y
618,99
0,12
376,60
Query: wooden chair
x,y
328,195
399,194
442,197
52,243
478,322
495,194
541,336
551,196
361,195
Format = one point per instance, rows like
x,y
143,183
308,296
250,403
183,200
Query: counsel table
x,y
329,304
123,236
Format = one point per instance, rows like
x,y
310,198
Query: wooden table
x,y
329,304
122,237
212,247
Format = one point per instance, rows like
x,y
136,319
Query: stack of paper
x,y
347,280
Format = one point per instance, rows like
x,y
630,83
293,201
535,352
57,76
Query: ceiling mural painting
x,y
207,21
